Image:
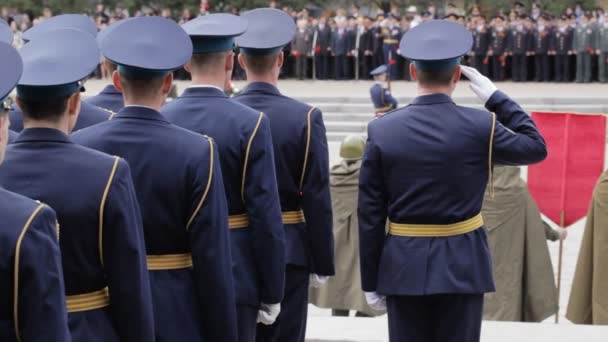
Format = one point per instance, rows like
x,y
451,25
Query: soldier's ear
x,y
188,68
229,61
457,75
242,61
280,59
413,73
116,81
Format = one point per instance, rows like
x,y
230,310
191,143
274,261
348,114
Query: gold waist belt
x,y
436,230
391,41
88,301
169,262
384,109
242,220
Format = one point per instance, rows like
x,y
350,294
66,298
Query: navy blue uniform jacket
x,y
12,136
109,99
382,99
302,169
89,115
245,147
179,186
428,163
101,233
29,253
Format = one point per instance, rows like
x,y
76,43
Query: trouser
x,y
406,69
520,68
602,69
562,68
300,67
340,67
497,68
378,57
541,68
435,318
583,67
480,63
290,325
390,59
247,317
322,66
366,67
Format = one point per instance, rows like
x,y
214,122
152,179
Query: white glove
x,y
268,313
375,301
318,281
480,85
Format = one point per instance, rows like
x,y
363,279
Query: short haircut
x,y
260,64
435,77
112,67
141,88
202,62
49,110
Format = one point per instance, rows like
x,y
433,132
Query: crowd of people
x,y
522,44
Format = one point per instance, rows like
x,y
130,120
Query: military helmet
x,y
352,147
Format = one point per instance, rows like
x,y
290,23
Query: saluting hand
x,y
480,85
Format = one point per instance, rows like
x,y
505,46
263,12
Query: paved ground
x,y
323,328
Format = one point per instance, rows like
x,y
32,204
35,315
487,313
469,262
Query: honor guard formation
x,y
131,217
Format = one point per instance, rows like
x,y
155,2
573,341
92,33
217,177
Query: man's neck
x,y
421,90
61,125
208,80
269,78
148,104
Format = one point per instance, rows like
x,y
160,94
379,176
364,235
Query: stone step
x,y
569,108
552,101
346,126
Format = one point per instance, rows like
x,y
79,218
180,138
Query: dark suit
x,y
29,239
102,246
561,43
302,169
425,169
109,99
12,136
499,43
324,38
247,158
481,44
541,60
340,44
185,218
365,61
519,46
89,115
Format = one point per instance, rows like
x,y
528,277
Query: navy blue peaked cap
x,y
379,70
436,44
10,69
215,32
103,33
64,21
147,47
268,32
55,62
6,34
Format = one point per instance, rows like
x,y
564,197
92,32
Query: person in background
x,y
584,47
381,97
519,46
379,24
390,45
343,291
562,46
498,46
517,236
322,48
602,51
481,45
340,44
301,46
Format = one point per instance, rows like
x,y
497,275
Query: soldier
x,y
300,149
562,46
499,41
602,51
390,45
377,41
322,49
433,268
301,47
339,48
519,46
381,97
178,183
247,159
541,39
102,245
584,46
32,287
89,114
481,44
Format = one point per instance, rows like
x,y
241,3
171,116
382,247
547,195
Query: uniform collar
x,y
262,87
432,99
42,134
206,91
110,89
140,112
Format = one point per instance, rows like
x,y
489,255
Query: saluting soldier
x,y
32,304
602,51
519,46
390,45
562,46
382,98
499,41
102,248
542,36
432,269
481,44
584,47
89,114
178,182
302,170
247,159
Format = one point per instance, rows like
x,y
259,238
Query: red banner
x,y
564,182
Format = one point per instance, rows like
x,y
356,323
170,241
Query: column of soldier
x,y
517,47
